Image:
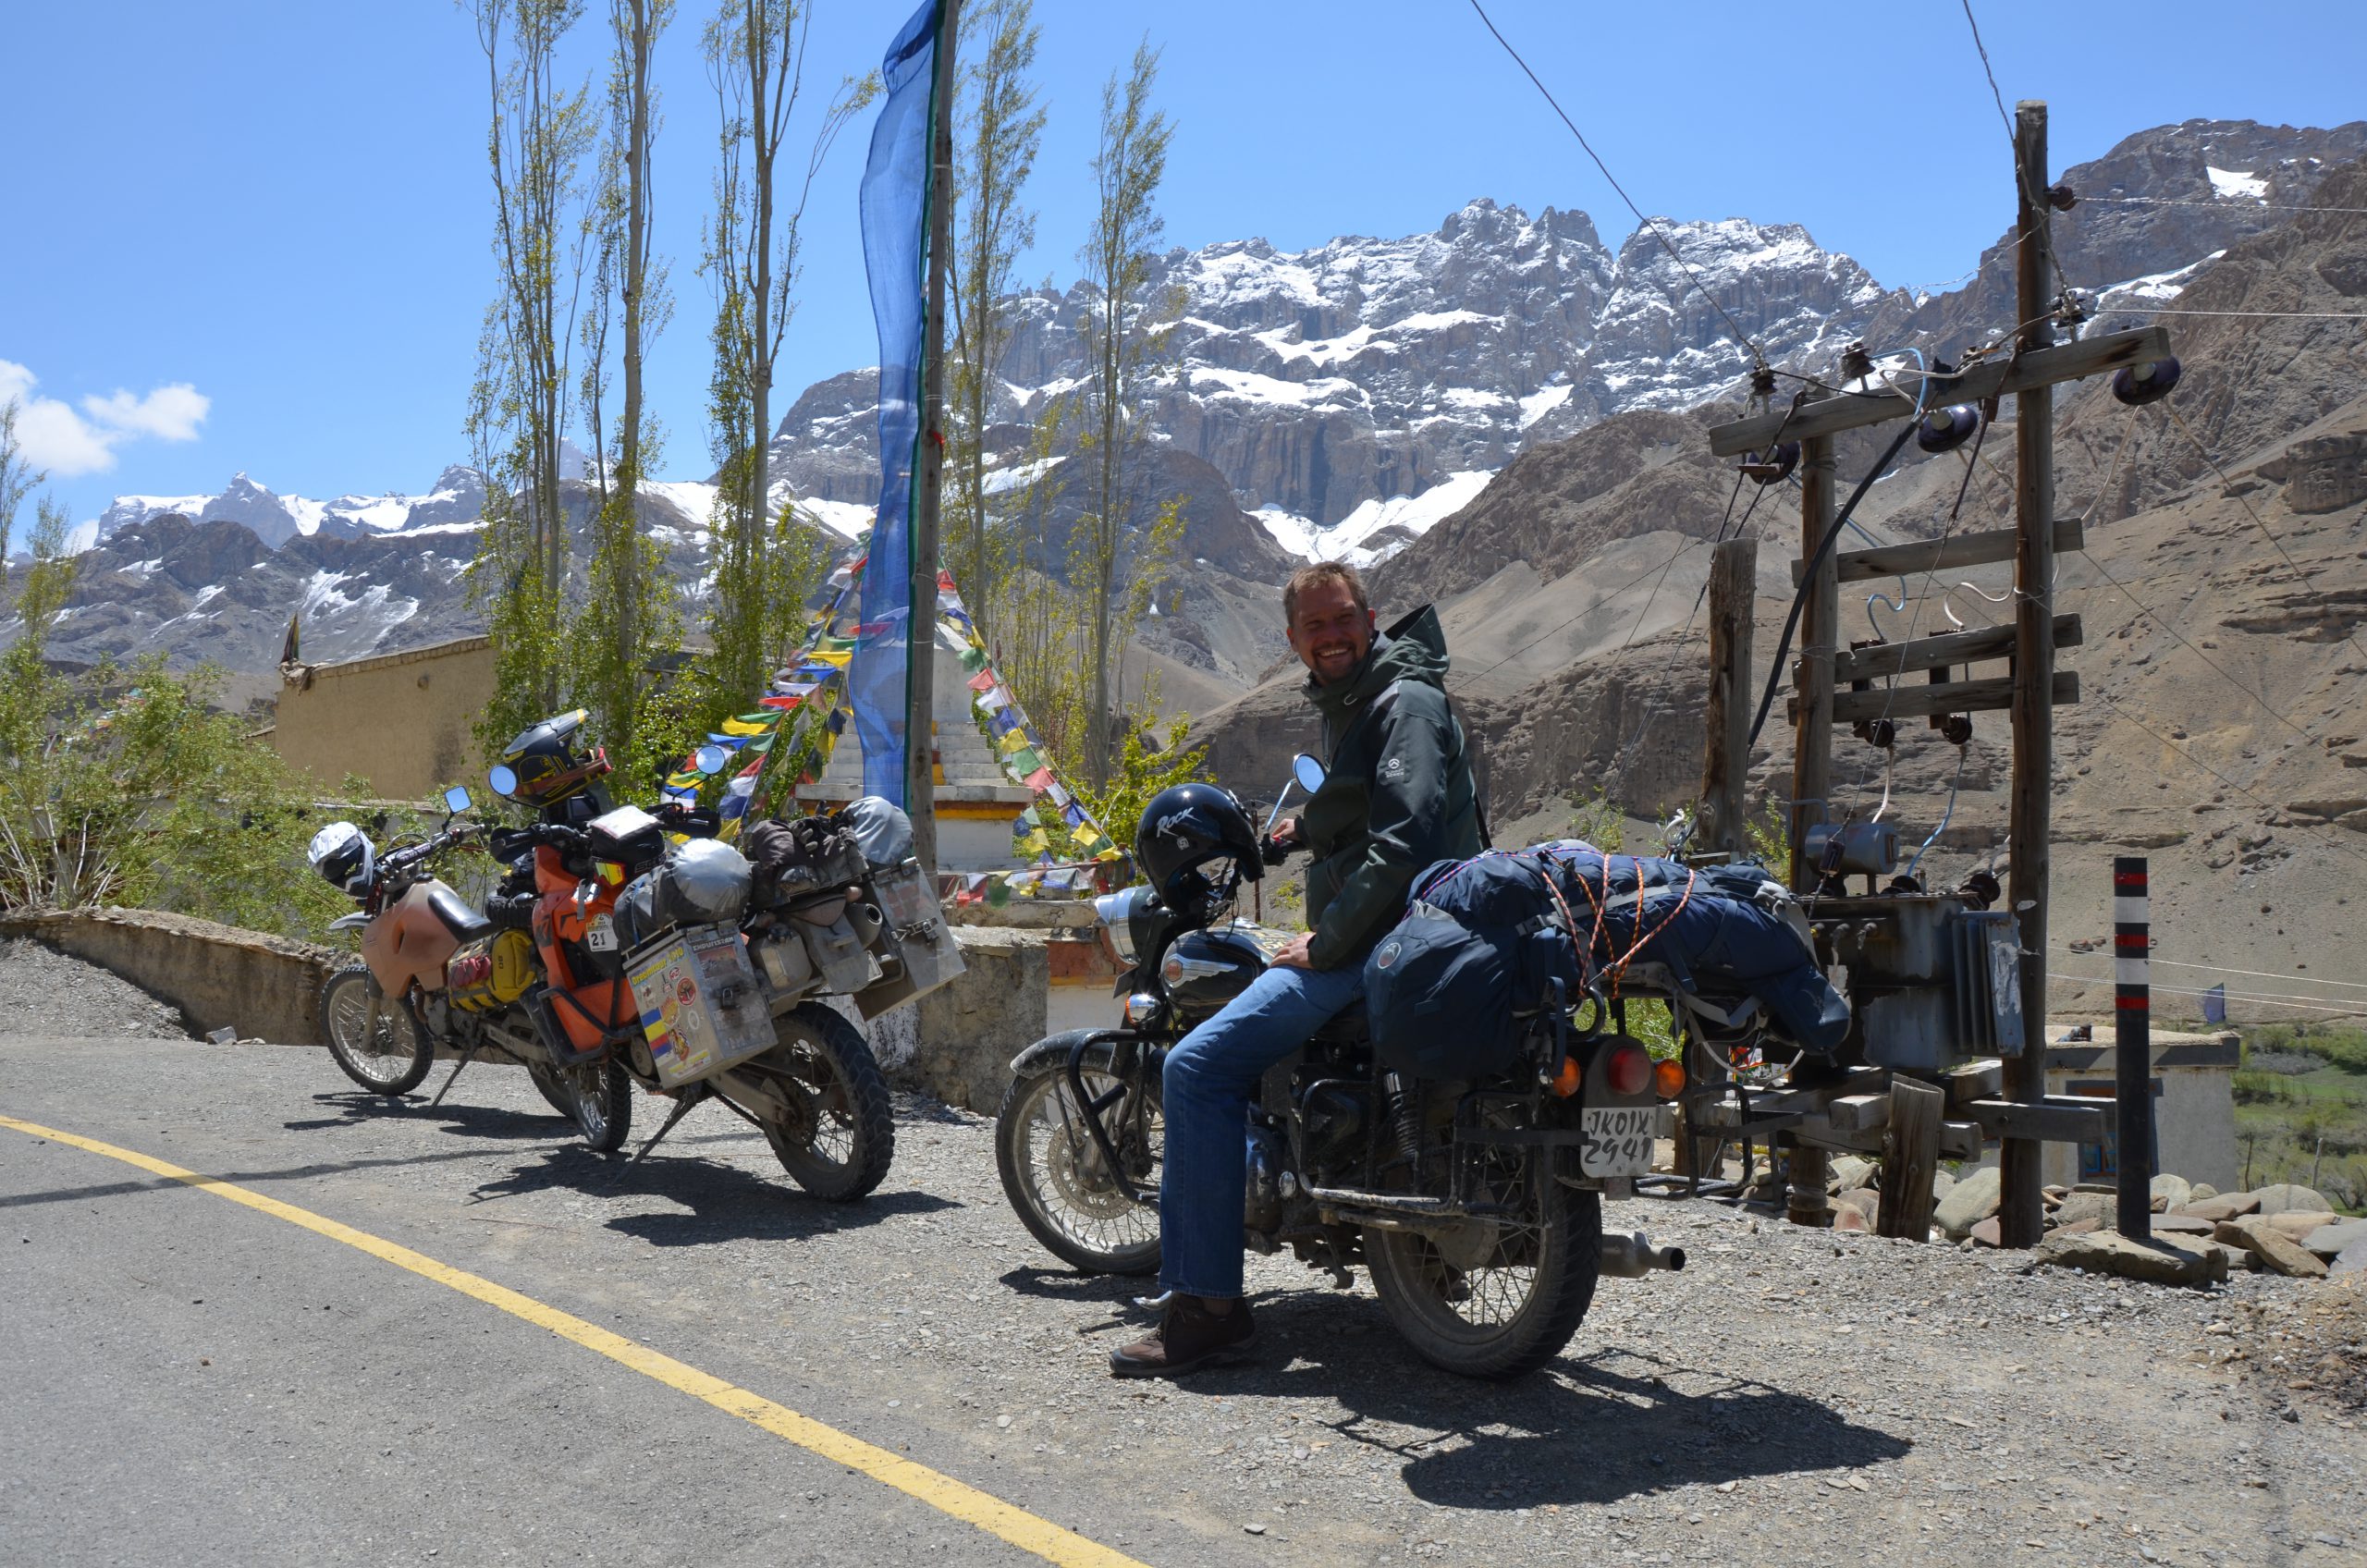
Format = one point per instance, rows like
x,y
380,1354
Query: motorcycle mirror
x,y
710,759
456,800
1308,771
503,778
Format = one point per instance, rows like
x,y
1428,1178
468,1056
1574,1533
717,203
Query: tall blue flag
x,y
2214,1004
895,252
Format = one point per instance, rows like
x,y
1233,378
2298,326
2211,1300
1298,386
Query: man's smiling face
x,y
1328,632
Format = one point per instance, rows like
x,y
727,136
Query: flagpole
x,y
920,747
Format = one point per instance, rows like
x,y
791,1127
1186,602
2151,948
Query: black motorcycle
x,y
1475,1205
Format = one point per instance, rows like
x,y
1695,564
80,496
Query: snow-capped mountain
x,y
1355,393
458,496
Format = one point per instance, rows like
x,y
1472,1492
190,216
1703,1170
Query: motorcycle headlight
x,y
1118,910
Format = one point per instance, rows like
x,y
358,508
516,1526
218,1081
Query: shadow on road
x,y
725,1203
1593,1428
359,1108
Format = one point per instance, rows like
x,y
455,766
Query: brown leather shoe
x,y
1189,1336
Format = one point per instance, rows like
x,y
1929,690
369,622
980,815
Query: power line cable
x,y
2317,1005
2220,202
2033,194
2253,973
2229,487
1807,580
2184,754
1757,354
2259,315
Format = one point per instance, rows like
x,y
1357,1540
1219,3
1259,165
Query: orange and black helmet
x,y
542,762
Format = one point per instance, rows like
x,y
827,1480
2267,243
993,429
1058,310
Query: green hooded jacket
x,y
1398,794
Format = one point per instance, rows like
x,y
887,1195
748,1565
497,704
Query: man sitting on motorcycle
x,y
1399,795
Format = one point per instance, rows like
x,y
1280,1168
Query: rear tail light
x,y
1628,1070
1668,1078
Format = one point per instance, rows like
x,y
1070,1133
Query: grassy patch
x,y
2308,1126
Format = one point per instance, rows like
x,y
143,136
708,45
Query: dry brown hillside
x,y
2223,731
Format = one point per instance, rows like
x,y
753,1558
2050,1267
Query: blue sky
x,y
253,236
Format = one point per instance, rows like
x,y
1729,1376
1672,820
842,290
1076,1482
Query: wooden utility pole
x,y
2021,1214
920,725
1725,766
1812,749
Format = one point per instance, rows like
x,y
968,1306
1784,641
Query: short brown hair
x,y
1307,577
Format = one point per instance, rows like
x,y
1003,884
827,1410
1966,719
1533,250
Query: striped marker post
x,y
2132,942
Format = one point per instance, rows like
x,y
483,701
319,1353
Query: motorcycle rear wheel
x,y
598,1095
1511,1309
1052,1169
844,1135
387,1056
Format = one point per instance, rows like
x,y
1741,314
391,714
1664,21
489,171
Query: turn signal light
x,y
1629,1070
1568,1081
1668,1078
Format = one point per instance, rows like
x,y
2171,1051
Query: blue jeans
x,y
1211,1082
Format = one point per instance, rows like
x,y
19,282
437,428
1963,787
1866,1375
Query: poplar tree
x,y
629,625
1122,347
1000,131
756,58
522,401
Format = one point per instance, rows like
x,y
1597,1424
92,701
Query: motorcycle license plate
x,y
601,934
1618,1140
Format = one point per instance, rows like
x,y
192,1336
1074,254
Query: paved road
x,y
185,1379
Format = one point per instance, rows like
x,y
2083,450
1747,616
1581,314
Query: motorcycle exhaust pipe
x,y
1632,1257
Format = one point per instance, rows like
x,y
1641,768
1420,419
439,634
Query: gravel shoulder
x,y
41,989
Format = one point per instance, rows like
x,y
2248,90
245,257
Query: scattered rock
x,y
1849,1171
2171,1192
2202,1190
2236,1258
1848,1219
2161,1262
2079,1226
2299,1224
2181,1225
2352,1260
2329,1242
1990,1232
2284,1197
1941,1183
2272,1247
2100,1207
1866,1201
2233,1205
1968,1203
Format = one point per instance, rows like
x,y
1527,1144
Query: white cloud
x,y
66,444
169,413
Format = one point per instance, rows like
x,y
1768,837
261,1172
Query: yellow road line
x,y
967,1503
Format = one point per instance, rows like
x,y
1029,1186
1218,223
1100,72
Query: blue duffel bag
x,y
1479,951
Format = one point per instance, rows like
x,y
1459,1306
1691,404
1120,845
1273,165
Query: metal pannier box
x,y
929,955
700,1007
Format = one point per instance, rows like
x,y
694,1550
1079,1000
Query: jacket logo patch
x,y
1387,956
1393,769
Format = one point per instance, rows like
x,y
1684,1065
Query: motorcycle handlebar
x,y
399,860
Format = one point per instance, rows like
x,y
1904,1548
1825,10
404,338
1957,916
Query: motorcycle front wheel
x,y
598,1095
1493,1298
1057,1179
373,1037
547,1083
840,1133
